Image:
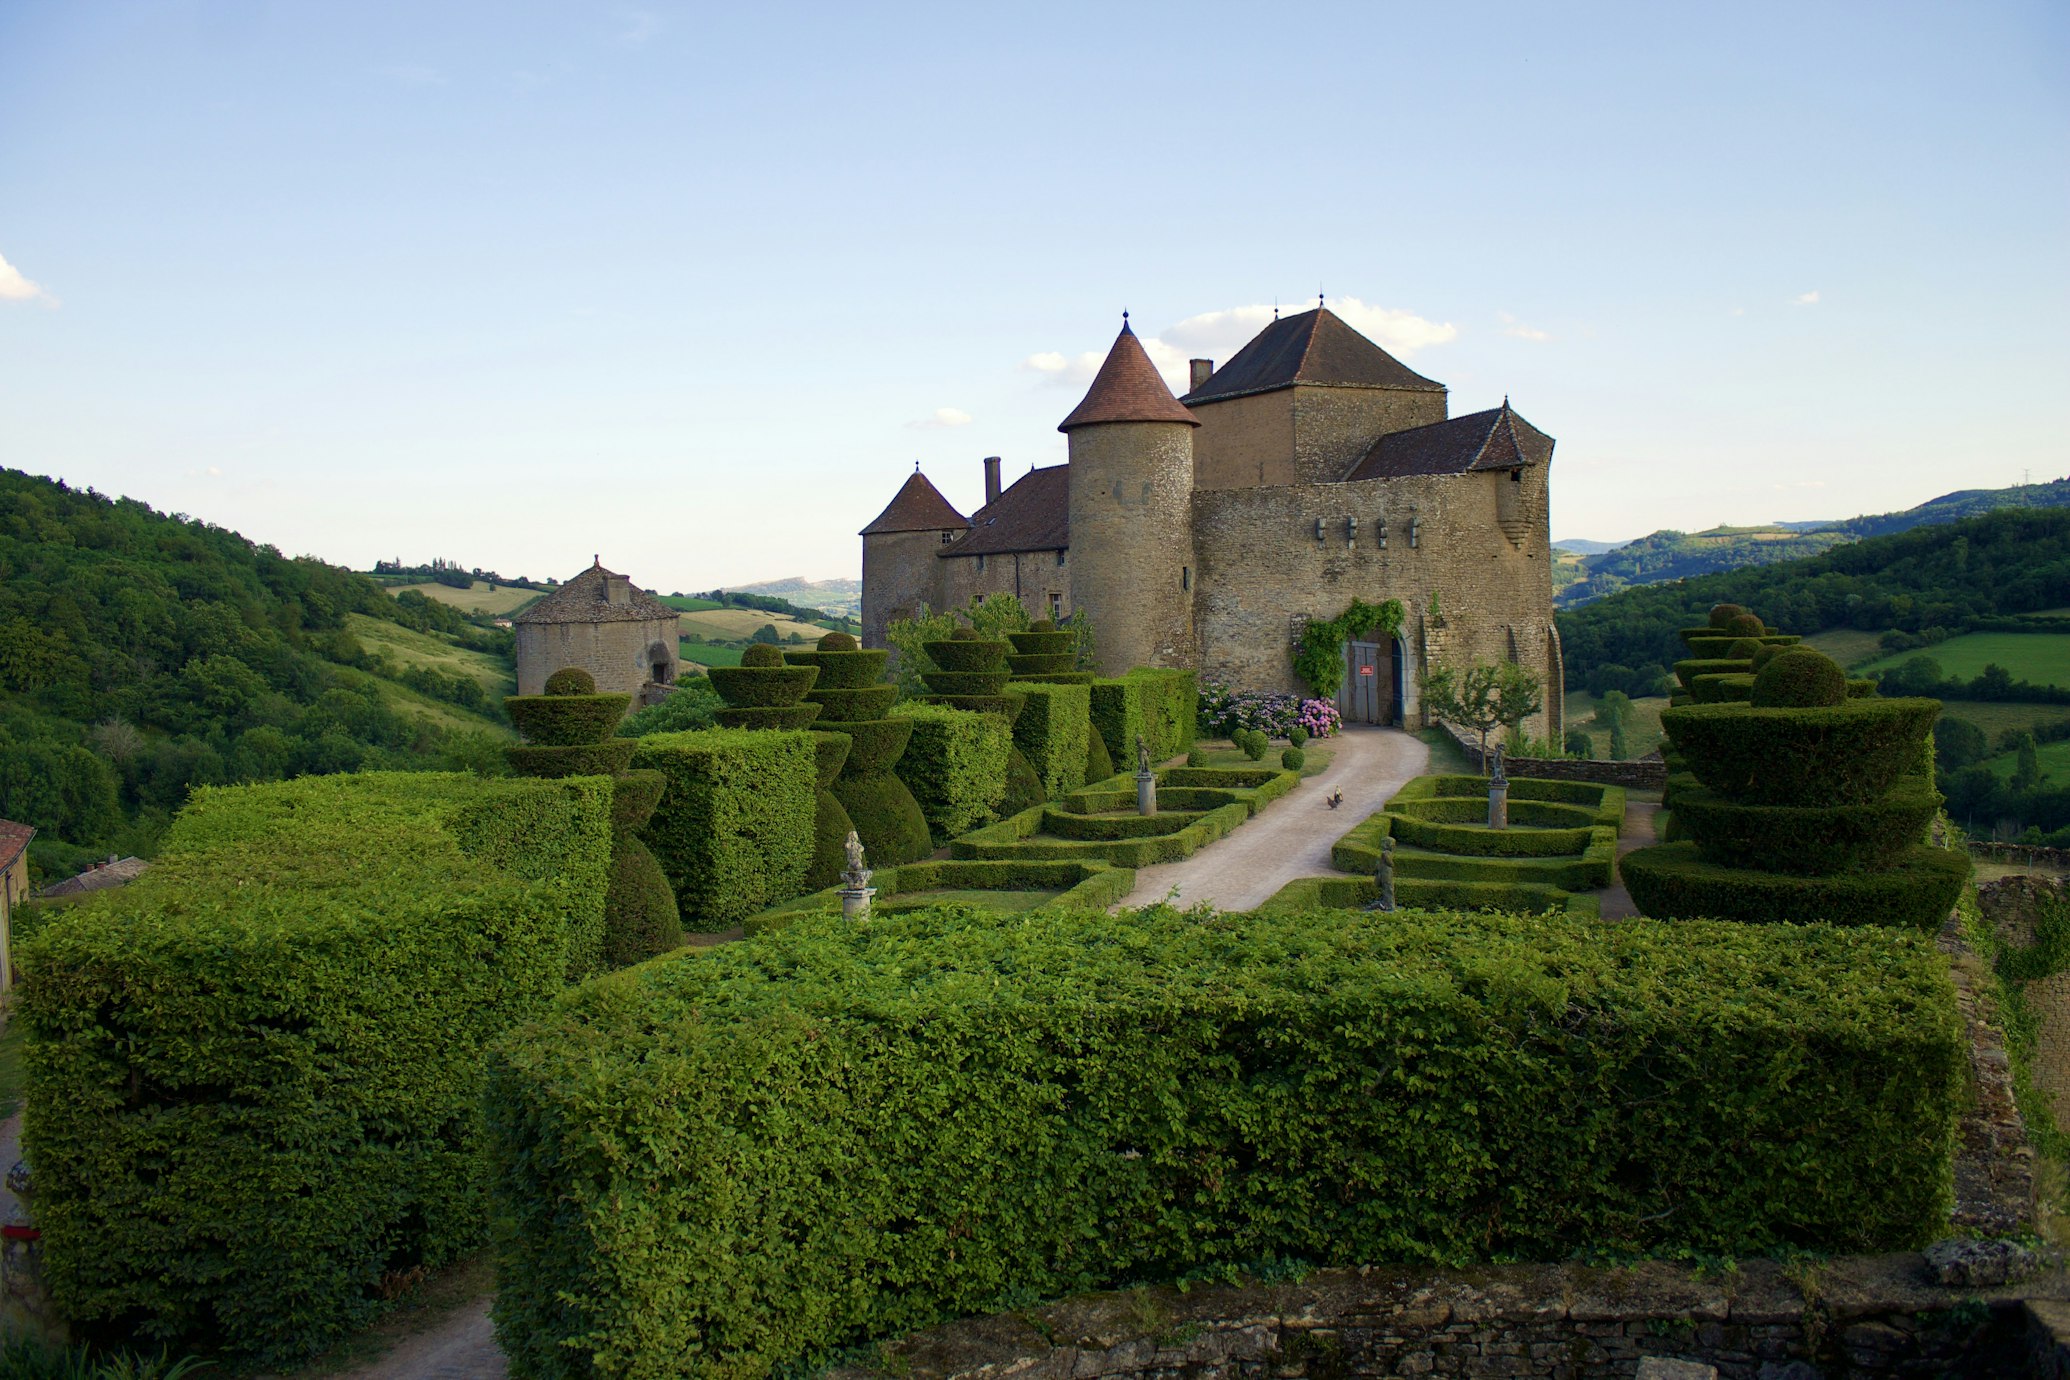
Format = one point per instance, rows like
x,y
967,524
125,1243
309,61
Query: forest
x,y
143,654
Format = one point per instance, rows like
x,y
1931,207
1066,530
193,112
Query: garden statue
x,y
1142,757
1384,875
856,890
1498,794
1146,780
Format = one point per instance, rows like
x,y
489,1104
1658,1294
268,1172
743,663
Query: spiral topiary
x,y
1722,614
1799,678
1746,625
571,680
838,642
1044,654
853,700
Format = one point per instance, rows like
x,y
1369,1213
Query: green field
x,y
1642,734
407,647
703,654
2054,757
683,603
2038,658
477,598
1848,646
1996,718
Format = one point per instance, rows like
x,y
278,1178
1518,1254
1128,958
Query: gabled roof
x,y
13,839
1315,349
917,507
1497,439
1128,388
99,877
583,600
1033,515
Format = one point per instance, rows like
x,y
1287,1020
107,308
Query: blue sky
x,y
694,287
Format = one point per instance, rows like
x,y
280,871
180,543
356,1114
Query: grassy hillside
x,y
501,602
724,625
2037,658
142,655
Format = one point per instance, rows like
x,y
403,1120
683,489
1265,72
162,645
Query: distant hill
x,y
1582,547
842,597
1949,576
1672,555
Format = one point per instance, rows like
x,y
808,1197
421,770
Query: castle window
x,y
1516,476
1060,555
948,537
1056,607
981,565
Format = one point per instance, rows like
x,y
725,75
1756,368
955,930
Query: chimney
x,y
617,589
1201,369
991,479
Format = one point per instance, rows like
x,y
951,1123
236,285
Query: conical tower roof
x,y
917,507
1128,388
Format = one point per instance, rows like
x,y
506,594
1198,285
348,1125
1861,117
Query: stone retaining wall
x,y
1755,1320
1645,774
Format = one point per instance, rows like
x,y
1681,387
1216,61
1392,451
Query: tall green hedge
x,y
734,833
955,765
1051,731
1170,709
727,1165
254,1073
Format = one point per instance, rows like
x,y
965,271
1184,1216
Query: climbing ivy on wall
x,y
1319,659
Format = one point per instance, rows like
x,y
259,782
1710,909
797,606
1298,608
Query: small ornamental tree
x,y
1481,697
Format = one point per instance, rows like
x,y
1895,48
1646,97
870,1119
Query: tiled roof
x,y
917,507
1316,349
1128,388
1497,439
13,839
1032,515
582,600
99,877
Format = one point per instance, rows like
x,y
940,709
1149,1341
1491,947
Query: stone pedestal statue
x,y
1146,781
1498,794
1384,874
856,890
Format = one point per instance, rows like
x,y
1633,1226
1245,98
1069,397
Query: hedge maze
x,y
1795,794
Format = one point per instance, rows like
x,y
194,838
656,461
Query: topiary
x,y
1099,763
1023,785
964,635
1745,625
1768,652
838,642
640,915
571,680
1721,614
1196,757
1297,736
1254,744
760,655
1800,678
1743,649
1043,625
1293,759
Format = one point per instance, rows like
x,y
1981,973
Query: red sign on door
x,y
1365,670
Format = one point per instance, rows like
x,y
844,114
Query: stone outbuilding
x,y
1207,531
603,623
14,888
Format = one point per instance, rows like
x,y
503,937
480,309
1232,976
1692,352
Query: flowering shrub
x,y
1223,711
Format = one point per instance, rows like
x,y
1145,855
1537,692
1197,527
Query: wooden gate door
x,y
1363,701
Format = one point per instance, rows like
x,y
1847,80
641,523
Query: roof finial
x,y
1275,306
1124,318
597,560
1318,297
916,466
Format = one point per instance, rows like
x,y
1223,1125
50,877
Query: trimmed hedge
x,y
1051,732
254,1073
843,670
1051,643
1026,667
1016,837
1805,840
1117,716
607,758
1800,678
762,687
1170,709
1356,893
887,818
1023,786
968,656
633,798
641,918
728,1165
1525,813
830,821
1090,884
1849,753
1099,765
1717,689
1063,824
955,766
854,706
1687,671
565,720
989,683
778,716
734,833
570,680
1915,890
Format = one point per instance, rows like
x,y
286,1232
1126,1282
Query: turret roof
x,y
1316,349
1128,388
917,507
1497,439
585,599
1032,515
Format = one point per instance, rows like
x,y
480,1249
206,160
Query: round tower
x,y
1131,506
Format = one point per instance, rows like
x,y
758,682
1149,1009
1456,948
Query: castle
x,y
1207,530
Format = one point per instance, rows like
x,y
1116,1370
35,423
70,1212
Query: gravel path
x,y
1638,833
462,1346
1292,837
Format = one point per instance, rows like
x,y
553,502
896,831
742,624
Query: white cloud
x,y
942,417
1513,327
1806,299
16,288
1217,335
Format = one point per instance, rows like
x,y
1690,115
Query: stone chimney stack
x,y
991,479
1201,369
617,589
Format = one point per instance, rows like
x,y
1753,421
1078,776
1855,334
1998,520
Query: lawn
x,y
2039,658
1219,753
1848,646
479,598
2054,757
707,656
1995,717
683,603
407,647
1642,734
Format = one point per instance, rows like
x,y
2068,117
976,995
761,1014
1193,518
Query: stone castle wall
x,y
1334,427
900,570
1032,576
1132,541
1261,566
1245,442
615,654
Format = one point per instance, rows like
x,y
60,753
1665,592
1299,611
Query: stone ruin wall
x,y
615,654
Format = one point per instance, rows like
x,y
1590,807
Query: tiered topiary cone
x,y
1044,654
568,732
1801,804
973,676
765,692
852,700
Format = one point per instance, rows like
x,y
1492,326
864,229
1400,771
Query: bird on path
x,y
1334,799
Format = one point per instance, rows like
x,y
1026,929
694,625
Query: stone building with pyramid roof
x,y
1207,530
603,623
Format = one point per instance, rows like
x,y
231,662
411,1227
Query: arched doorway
x,y
661,664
